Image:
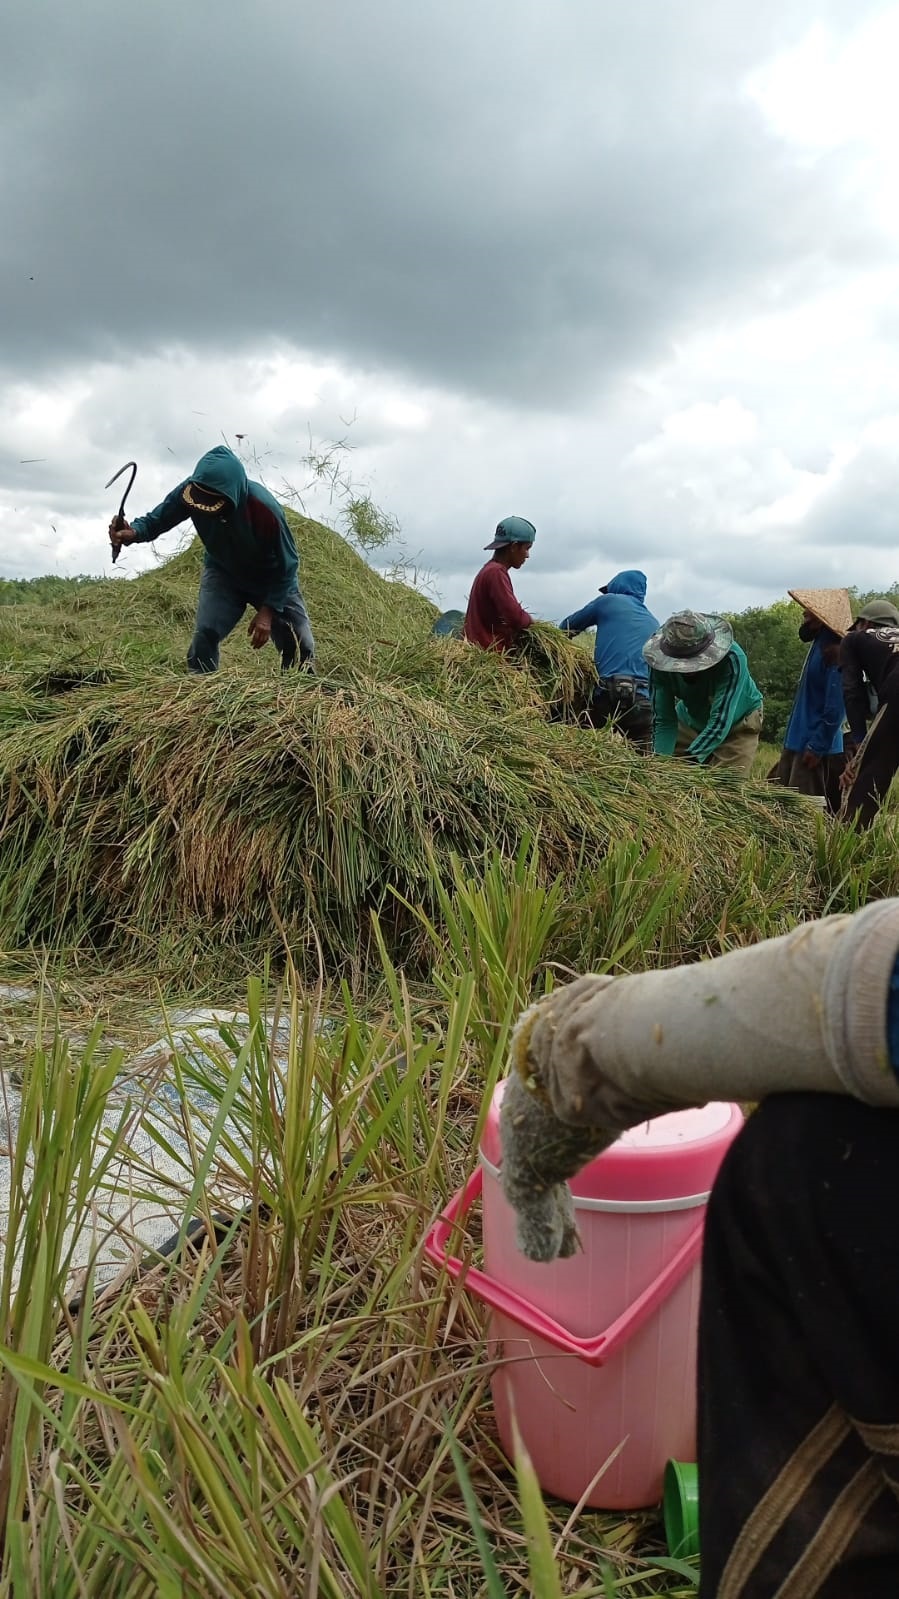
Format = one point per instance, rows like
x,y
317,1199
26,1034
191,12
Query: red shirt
x,y
494,616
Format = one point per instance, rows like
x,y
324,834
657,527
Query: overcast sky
x,y
629,271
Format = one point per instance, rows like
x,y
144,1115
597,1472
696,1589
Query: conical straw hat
x,y
830,606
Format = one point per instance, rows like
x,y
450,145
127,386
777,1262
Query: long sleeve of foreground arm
x,y
579,621
721,710
824,728
171,513
853,680
806,1012
664,711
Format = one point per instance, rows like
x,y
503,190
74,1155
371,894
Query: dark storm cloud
x,y
515,199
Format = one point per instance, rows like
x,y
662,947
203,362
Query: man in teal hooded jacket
x,y
250,559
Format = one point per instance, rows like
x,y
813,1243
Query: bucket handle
x,y
593,1351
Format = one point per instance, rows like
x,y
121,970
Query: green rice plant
x,y
198,1430
631,907
497,933
541,1558
496,1588
543,1563
856,867
767,755
496,929
271,1409
318,1156
57,1158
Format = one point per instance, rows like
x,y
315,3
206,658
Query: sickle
x,y
120,518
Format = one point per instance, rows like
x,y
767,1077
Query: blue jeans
x,y
221,604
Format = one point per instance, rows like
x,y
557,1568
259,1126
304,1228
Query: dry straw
x,y
166,820
169,819
177,817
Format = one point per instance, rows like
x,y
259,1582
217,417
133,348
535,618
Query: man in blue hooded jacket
x,y
623,624
250,559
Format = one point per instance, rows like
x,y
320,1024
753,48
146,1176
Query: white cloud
x,y
709,425
837,91
834,88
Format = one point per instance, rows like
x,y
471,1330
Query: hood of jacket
x,y
632,583
220,469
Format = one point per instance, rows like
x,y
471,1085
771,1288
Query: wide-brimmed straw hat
x,y
200,499
689,641
830,606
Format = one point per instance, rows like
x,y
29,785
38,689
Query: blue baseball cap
x,y
513,530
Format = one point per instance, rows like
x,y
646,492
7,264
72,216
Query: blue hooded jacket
x,y
623,624
249,540
816,720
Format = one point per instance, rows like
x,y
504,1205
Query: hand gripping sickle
x,y
120,518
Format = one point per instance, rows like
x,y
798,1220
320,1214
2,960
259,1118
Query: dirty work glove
x,y
539,1153
806,1012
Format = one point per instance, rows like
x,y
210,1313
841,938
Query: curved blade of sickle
x,y
120,518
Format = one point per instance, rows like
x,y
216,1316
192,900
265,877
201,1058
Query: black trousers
x,y
879,762
631,716
799,1357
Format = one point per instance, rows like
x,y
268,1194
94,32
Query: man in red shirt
x,y
494,617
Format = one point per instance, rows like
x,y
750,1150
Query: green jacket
x,y
250,540
711,702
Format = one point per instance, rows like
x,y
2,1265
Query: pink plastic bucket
x,y
599,1352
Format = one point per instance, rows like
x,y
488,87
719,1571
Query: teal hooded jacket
x,y
249,540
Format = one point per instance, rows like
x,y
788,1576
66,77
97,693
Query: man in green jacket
x,y
706,706
251,559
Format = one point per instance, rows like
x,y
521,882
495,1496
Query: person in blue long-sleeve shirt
x,y
623,624
812,757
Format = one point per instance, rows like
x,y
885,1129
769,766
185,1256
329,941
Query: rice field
x,y
367,873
